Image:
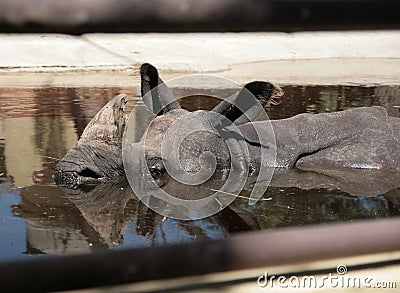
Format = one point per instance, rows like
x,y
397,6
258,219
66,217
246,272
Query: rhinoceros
x,y
326,145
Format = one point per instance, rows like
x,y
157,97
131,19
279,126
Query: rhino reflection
x,y
108,215
54,225
354,182
294,207
69,221
103,208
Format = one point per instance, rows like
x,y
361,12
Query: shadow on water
x,y
39,126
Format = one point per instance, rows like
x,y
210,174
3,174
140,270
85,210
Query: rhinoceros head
x,y
190,144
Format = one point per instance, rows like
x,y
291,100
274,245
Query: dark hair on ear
x,y
261,90
161,99
149,77
246,105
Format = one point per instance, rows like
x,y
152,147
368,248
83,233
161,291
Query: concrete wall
x,y
360,57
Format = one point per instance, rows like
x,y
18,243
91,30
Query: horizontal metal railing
x,y
80,16
243,251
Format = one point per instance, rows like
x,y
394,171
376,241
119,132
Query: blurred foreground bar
x,y
83,16
242,251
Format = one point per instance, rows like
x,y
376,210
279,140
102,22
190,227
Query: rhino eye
x,y
156,166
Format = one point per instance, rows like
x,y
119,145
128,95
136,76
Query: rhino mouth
x,y
89,173
73,179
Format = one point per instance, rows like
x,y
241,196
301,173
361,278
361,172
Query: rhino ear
x,y
155,93
248,103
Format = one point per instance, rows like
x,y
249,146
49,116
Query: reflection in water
x,y
38,127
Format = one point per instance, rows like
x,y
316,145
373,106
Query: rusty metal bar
x,y
251,250
80,16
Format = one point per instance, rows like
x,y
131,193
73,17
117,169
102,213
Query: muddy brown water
x,y
39,125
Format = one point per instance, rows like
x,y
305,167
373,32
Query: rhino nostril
x,y
89,173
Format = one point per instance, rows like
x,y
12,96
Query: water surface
x,y
39,125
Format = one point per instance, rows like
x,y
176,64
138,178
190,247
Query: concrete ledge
x,y
366,57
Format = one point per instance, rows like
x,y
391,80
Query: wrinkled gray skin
x,y
360,138
325,145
